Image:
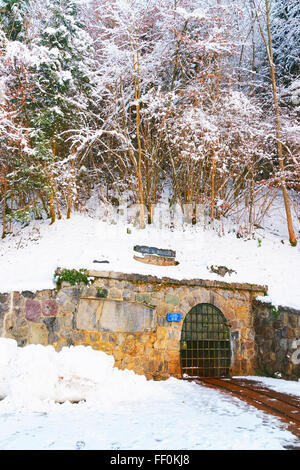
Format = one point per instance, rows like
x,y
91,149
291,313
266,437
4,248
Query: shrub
x,y
72,276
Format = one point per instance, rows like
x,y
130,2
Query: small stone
x,y
221,270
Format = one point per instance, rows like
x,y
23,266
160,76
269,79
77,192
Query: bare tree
x,y
265,31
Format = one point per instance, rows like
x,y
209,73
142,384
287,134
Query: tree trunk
x,y
51,208
213,171
70,195
44,204
4,215
138,137
292,237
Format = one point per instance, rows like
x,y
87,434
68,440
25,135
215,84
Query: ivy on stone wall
x,y
72,276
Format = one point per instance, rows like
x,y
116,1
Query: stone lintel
x,y
111,316
134,301
206,283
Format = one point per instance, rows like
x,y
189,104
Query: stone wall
x,y
277,335
131,321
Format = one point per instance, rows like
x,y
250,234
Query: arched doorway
x,y
205,343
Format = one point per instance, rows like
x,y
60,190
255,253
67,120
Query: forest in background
x,y
130,97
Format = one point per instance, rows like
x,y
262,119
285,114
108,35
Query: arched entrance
x,y
205,343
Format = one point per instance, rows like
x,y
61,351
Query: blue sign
x,y
174,316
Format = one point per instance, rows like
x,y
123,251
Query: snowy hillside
x,y
29,258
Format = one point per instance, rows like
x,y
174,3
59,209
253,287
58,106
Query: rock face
x,y
221,270
277,335
131,321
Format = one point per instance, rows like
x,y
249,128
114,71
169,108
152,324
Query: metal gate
x,y
205,343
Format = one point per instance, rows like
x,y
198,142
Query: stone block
x,y
37,334
161,341
155,301
49,308
144,298
162,321
52,324
174,334
114,316
115,293
90,291
4,304
293,321
161,333
172,299
75,292
32,310
173,345
94,337
62,298
66,320
68,307
192,302
128,295
277,324
78,336
9,322
184,307
126,316
86,316
130,348
28,294
44,294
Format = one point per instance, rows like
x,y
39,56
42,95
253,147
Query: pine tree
x,y
285,32
64,77
13,15
64,85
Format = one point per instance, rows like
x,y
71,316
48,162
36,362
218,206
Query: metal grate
x,y
205,343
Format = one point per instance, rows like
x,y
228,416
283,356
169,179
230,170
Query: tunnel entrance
x,y
205,343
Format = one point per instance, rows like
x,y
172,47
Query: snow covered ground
x,y
29,258
118,409
121,410
281,386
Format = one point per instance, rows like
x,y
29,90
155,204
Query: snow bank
x,y
36,374
121,410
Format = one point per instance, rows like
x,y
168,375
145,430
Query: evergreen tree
x,y
285,33
63,89
64,78
13,17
